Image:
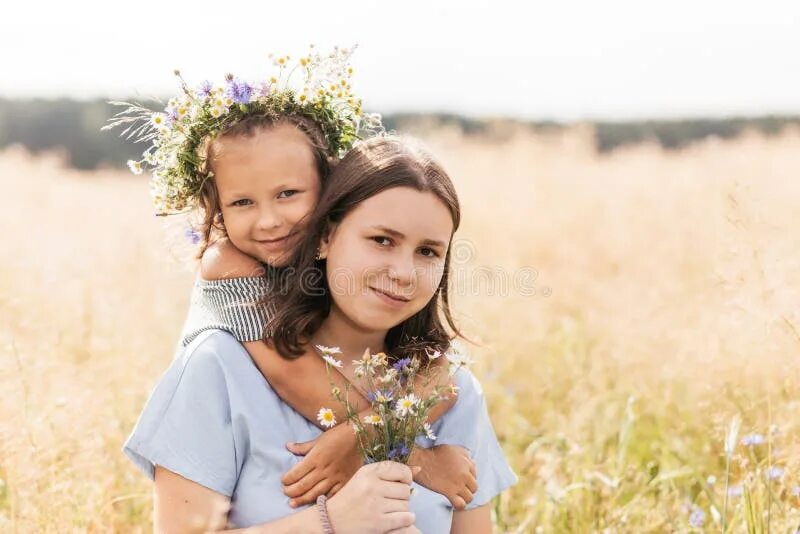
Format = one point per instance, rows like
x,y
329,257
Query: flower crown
x,y
195,116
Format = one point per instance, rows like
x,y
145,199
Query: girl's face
x,y
386,258
267,184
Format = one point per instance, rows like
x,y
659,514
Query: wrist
x,y
333,506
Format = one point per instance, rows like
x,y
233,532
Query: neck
x,y
337,330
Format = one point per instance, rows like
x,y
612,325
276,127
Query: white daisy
x,y
407,405
326,417
333,361
428,431
373,419
390,375
135,166
159,120
433,355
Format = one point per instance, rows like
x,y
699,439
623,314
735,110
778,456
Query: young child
x,y
251,160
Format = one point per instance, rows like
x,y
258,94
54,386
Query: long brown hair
x,y
302,298
211,212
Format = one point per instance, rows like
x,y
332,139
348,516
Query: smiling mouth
x,y
396,298
273,241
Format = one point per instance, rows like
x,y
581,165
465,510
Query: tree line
x,y
74,126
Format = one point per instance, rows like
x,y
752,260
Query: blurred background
x,y
628,262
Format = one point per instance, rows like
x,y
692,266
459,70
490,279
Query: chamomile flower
x,y
407,405
433,354
159,120
217,111
333,361
373,419
135,166
391,374
329,350
428,431
326,417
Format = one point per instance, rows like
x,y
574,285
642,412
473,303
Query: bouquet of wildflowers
x,y
399,413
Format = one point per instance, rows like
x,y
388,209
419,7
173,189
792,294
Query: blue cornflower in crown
x,y
177,134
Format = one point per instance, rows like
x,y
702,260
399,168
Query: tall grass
x,y
655,303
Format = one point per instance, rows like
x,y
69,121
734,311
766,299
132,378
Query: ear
x,y
325,240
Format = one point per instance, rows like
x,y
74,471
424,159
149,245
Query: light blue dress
x,y
213,418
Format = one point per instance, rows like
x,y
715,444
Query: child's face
x,y
386,258
267,184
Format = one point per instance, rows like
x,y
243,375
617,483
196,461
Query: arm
x,y
222,260
375,501
307,396
331,459
180,505
475,521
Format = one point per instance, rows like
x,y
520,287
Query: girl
x,y
213,431
253,159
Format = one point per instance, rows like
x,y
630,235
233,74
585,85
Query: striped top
x,y
234,305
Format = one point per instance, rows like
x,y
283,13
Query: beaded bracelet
x,y
323,515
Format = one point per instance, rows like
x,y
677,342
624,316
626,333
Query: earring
x,y
318,255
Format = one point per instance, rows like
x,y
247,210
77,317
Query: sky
x,y
556,60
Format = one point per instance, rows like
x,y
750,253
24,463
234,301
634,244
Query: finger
x,y
397,520
406,530
304,484
472,484
310,496
458,502
298,471
393,471
396,490
301,449
335,489
465,494
388,506
473,468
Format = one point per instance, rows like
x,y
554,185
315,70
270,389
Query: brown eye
x,y
382,240
242,202
288,193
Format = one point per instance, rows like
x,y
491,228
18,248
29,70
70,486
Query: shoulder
x,y
222,260
209,357
470,390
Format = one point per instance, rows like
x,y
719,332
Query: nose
x,y
268,218
402,270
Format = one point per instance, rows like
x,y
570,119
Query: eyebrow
x,y
400,235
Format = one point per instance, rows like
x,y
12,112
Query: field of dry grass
x,y
629,307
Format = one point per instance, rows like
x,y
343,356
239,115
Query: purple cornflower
x,y
372,396
697,517
398,451
399,365
774,472
735,491
239,91
205,89
751,440
192,235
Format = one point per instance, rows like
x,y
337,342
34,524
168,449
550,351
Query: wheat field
x,y
633,313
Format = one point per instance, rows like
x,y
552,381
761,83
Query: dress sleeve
x,y
467,424
236,305
186,425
